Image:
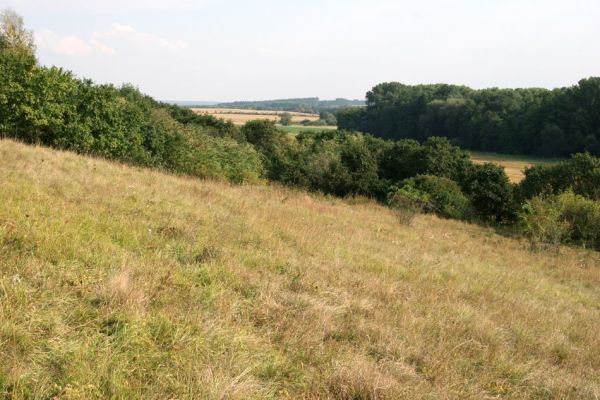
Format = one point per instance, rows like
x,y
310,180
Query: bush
x,y
190,150
440,195
407,201
581,173
489,189
563,218
261,133
285,119
436,156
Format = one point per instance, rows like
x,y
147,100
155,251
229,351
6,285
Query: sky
x,y
225,50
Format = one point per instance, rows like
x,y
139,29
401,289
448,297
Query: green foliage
x,y
353,119
328,118
343,163
581,174
214,126
518,121
436,194
409,201
340,163
490,192
563,218
191,151
261,133
407,158
50,106
285,119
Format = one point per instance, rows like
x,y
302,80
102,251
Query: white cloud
x,y
101,47
105,42
140,39
68,45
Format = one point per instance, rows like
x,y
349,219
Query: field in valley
x,y
513,165
241,116
122,282
296,129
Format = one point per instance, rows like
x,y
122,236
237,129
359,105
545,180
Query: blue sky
x,y
265,49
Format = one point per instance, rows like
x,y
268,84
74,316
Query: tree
x,y
490,192
13,34
436,194
17,71
260,132
519,121
285,119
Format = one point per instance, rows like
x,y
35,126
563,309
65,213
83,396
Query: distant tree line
x,y
543,122
306,105
49,106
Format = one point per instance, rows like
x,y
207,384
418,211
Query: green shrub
x,y
581,173
489,189
407,201
49,106
441,195
190,150
563,218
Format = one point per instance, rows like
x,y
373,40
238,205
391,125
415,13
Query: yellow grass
x,y
513,165
120,282
241,116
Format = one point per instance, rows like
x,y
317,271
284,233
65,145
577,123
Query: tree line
x,y
307,105
535,121
49,106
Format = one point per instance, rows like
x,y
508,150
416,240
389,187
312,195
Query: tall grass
x,y
120,282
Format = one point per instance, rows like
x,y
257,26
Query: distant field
x,y
296,129
241,116
514,165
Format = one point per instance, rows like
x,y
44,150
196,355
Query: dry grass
x,y
119,282
513,165
241,116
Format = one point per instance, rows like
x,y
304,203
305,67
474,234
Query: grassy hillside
x,y
128,283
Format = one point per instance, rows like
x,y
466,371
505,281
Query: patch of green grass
x,y
296,129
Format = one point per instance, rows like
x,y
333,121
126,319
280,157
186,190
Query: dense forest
x,y
557,203
543,122
307,105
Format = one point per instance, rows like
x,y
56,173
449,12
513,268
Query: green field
x,y
122,282
296,129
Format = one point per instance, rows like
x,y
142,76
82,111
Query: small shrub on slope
x,y
440,195
563,218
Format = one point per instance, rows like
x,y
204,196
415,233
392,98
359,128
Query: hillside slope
x,y
129,283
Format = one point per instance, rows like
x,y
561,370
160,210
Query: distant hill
x,y
307,105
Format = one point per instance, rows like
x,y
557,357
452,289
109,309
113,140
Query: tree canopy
x,y
537,121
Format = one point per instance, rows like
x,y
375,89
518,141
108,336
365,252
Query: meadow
x,y
123,282
296,129
514,165
241,116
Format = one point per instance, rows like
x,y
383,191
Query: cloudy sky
x,y
263,49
